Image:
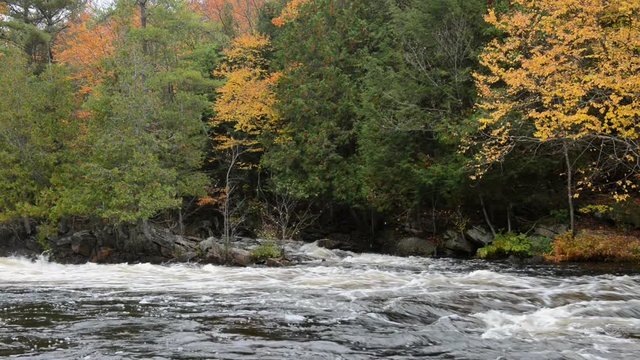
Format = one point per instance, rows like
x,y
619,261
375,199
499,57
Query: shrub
x,y
267,250
596,246
520,245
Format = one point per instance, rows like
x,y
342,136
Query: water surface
x,y
354,307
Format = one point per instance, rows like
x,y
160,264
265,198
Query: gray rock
x,y
83,243
240,257
480,235
207,244
550,231
457,243
413,246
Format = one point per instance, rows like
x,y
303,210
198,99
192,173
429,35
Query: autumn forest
x,y
360,121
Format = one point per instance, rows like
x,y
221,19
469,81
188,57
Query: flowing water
x,y
350,307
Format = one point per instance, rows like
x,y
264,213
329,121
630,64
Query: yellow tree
x,y
244,109
565,73
290,12
245,104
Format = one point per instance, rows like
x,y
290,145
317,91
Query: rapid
x,y
336,305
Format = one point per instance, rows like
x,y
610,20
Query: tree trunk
x,y
567,160
486,216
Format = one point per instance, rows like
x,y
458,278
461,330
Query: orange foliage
x,y
289,13
247,100
596,246
244,12
83,46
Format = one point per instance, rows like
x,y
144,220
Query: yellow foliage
x,y
289,13
570,68
247,100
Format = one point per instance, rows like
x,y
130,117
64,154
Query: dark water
x,y
358,307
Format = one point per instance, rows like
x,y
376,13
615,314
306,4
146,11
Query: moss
x,y
520,245
267,250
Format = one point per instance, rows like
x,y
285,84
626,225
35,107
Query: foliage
x,y
36,132
520,245
565,71
143,144
595,246
246,102
84,46
266,250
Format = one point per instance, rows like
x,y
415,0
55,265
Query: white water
x,y
356,307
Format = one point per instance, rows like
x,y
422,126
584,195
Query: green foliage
x,y
520,245
597,210
35,134
266,250
143,147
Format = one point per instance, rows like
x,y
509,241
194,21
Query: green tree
x,y
36,130
144,142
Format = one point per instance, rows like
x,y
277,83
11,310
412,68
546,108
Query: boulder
x,y
550,231
413,246
328,244
239,257
83,243
479,235
458,243
205,245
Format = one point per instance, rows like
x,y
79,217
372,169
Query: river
x,y
332,307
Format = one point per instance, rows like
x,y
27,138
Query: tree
x,y
565,74
143,145
33,25
36,130
245,104
237,17
84,46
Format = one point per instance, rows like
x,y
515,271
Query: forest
x,y
361,122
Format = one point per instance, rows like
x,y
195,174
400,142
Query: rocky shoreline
x,y
159,245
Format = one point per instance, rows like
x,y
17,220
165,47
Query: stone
x,y
102,255
328,243
240,257
83,243
480,235
207,244
457,243
550,231
413,246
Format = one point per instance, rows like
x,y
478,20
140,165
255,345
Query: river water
x,y
349,307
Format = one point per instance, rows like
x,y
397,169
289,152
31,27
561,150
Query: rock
x,y
457,243
479,235
239,257
550,231
102,255
83,243
413,246
205,245
328,243
276,262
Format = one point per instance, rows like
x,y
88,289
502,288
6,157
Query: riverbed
x,y
352,306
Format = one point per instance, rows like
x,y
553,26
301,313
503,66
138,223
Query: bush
x,y
520,245
596,246
267,250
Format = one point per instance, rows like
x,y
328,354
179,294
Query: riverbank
x,y
157,245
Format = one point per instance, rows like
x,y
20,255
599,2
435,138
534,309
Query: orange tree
x,y
566,74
